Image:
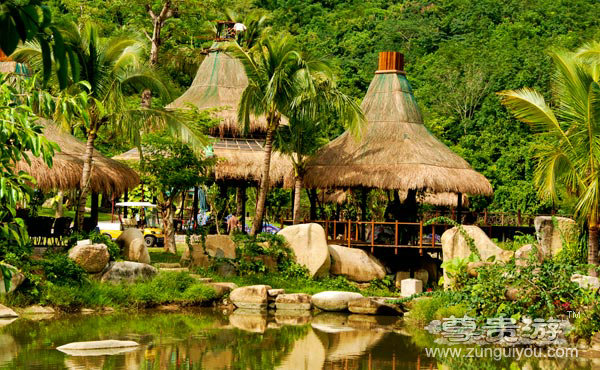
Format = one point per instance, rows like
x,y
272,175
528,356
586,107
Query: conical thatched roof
x,y
396,151
237,160
219,83
108,176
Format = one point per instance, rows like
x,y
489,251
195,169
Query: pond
x,y
209,339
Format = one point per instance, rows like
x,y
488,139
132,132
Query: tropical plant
x,y
113,68
170,167
282,80
568,149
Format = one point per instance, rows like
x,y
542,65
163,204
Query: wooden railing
x,y
486,218
382,234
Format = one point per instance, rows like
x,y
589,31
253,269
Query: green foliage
x,y
59,269
461,230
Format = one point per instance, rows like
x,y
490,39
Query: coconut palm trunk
x,y
593,248
297,194
85,178
264,185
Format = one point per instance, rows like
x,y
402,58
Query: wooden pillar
x,y
94,210
240,197
195,206
459,208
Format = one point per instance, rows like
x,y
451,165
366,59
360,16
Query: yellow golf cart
x,y
148,222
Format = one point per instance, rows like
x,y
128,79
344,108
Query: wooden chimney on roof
x,y
391,62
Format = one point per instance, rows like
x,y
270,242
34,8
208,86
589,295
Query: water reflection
x,y
207,339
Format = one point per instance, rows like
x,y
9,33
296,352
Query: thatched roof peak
x,y
108,176
396,150
219,83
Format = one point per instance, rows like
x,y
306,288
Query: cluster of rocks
x,y
95,259
263,297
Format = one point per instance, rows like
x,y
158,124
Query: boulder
x,y
586,282
221,246
523,254
374,306
309,243
6,313
222,288
38,310
552,231
129,272
454,245
93,258
401,275
254,297
100,344
275,292
355,264
296,301
131,242
334,301
16,279
409,287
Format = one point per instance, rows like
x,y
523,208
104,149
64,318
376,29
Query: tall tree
x,y
280,77
568,149
112,67
158,22
170,167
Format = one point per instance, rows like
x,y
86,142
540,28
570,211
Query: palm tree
x,y
568,152
283,79
112,67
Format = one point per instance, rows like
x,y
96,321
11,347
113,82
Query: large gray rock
x,y
296,301
309,243
92,258
523,255
129,272
355,264
16,279
454,245
586,282
334,301
254,297
552,232
6,313
374,306
220,246
131,242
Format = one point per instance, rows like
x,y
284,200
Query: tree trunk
x,y
94,208
166,213
240,210
296,203
158,22
85,178
593,248
59,204
264,185
312,198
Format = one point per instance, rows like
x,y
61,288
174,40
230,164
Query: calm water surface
x,y
208,339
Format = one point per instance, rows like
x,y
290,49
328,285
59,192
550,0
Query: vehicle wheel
x,y
107,235
149,241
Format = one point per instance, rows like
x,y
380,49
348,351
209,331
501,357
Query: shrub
x,y
61,270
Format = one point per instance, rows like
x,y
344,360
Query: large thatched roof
x,y
108,176
219,83
396,151
237,160
435,199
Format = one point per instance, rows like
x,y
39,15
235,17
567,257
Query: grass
x,y
166,287
158,254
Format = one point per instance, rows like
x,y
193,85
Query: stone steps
x,y
175,269
164,265
201,278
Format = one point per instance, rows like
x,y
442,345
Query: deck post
x,y
421,234
334,230
327,229
433,236
372,236
349,234
396,234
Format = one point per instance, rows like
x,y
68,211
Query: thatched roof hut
x,y
339,196
108,176
219,83
238,160
396,151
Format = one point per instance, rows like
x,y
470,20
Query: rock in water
x,y
334,301
254,297
98,348
16,279
374,306
128,272
355,264
553,231
296,301
309,244
6,313
93,258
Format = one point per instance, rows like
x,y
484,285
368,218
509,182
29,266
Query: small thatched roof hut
x,y
396,150
108,176
219,83
238,160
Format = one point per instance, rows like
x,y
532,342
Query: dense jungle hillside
x,y
458,54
